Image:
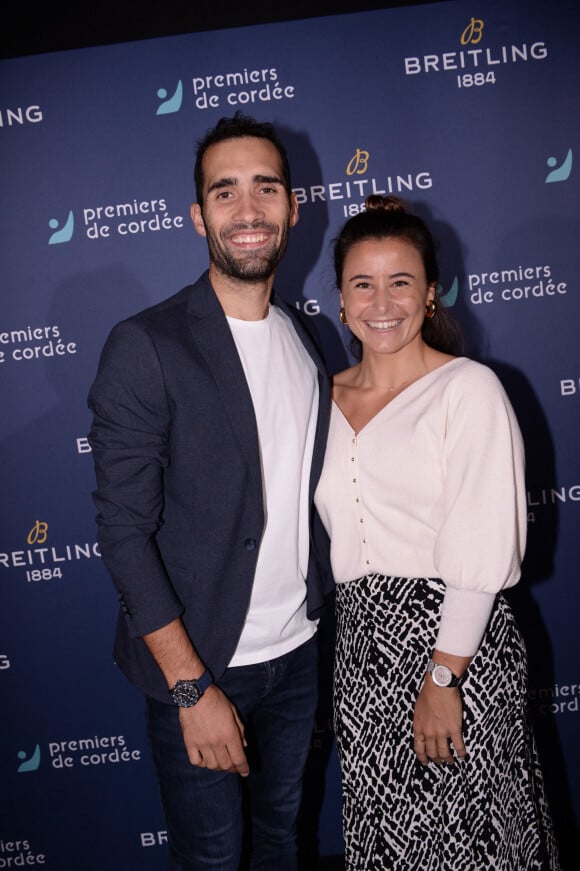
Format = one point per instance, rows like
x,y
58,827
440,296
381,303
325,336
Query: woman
x,y
422,494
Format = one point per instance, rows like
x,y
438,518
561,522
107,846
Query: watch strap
x,y
204,681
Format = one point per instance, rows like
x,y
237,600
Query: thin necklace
x,y
395,387
408,379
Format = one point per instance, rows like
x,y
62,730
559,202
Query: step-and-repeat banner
x,y
469,111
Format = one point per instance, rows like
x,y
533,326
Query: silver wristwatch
x,y
442,675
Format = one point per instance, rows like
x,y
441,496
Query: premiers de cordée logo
x,y
34,343
515,283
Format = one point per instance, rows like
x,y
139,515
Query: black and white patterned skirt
x,y
487,812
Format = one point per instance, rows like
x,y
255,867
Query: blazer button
x,y
250,543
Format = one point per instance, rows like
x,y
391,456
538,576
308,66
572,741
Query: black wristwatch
x,y
187,693
442,675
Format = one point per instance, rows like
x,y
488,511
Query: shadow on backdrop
x,y
306,246
538,568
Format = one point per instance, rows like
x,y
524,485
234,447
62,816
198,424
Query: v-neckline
x,y
389,403
357,433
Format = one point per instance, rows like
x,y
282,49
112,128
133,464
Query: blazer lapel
x,y
324,402
212,335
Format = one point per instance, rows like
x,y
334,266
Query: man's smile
x,y
247,238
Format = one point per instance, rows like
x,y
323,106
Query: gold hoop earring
x,y
430,309
342,316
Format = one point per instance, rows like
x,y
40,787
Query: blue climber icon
x,y
170,104
31,763
64,234
562,172
449,298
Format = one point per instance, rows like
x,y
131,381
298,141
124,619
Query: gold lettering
x,y
38,534
473,32
358,163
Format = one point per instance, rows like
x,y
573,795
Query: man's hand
x,y
214,734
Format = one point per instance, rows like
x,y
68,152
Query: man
x,y
210,418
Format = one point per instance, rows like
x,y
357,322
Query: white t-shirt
x,y
283,383
432,486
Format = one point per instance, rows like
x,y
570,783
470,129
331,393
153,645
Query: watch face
x,y
186,693
442,675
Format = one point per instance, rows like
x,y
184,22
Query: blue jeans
x,y
213,816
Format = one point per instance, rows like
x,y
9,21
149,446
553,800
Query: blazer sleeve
x,y
129,440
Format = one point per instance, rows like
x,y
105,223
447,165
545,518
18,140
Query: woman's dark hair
x,y
387,217
239,127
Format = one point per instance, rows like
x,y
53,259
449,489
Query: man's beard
x,y
248,266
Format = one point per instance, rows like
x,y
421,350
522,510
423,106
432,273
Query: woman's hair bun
x,y
375,202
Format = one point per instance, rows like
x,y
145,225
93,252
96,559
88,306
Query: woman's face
x,y
384,291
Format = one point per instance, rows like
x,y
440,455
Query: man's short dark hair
x,y
236,128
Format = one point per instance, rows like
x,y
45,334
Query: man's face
x,y
246,211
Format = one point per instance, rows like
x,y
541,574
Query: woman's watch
x,y
442,675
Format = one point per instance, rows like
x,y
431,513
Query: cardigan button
x,y
250,543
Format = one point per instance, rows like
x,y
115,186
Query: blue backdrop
x,y
470,112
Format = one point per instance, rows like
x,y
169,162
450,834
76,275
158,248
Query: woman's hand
x,y
438,716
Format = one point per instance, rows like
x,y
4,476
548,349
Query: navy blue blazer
x,y
179,489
